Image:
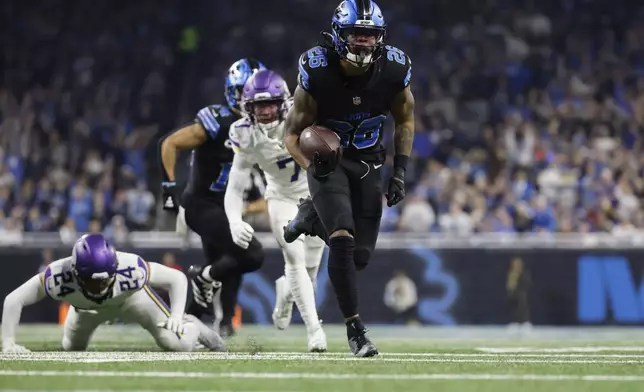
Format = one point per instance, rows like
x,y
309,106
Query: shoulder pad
x,y
400,64
133,272
224,111
58,280
309,63
210,117
240,134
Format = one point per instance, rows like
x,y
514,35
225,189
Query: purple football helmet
x,y
94,264
264,99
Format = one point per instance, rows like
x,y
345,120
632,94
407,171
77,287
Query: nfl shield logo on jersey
x,y
357,100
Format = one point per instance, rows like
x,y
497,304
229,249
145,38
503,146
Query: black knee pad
x,y
253,260
361,258
341,247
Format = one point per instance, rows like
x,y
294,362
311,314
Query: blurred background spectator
x,y
529,114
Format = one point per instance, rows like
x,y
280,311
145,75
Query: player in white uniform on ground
x,y
257,139
101,284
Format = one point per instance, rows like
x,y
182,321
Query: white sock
x,y
189,338
206,336
313,251
313,275
302,290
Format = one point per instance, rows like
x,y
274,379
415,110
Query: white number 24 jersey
x,y
285,179
60,284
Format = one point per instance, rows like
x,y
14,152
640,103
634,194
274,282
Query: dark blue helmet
x,y
94,264
358,30
238,74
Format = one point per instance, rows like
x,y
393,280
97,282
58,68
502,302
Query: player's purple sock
x,y
342,272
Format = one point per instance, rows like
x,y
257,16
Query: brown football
x,y
317,138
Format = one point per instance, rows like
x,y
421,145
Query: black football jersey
x,y
355,107
210,163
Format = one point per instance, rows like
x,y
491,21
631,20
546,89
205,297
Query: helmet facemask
x,y
267,114
94,266
96,286
360,45
264,102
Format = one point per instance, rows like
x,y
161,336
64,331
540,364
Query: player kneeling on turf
x,y
101,284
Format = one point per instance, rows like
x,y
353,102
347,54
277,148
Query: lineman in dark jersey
x,y
349,84
203,198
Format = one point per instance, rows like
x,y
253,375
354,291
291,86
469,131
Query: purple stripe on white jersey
x,y
143,265
44,282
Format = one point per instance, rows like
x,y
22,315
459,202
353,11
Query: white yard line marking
x,y
138,390
474,355
551,350
61,355
332,376
104,357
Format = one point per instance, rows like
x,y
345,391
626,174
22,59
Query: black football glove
x,y
396,189
323,167
169,198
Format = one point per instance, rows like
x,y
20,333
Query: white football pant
x,y
144,307
302,260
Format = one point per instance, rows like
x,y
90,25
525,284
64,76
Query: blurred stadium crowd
x,y
530,113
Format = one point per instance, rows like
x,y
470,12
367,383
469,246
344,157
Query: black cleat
x,y
203,290
303,221
359,343
362,347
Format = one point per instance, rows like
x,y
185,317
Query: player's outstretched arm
x,y
402,109
175,282
301,115
241,231
237,179
188,137
27,294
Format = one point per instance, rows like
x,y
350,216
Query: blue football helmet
x,y
238,74
358,31
94,265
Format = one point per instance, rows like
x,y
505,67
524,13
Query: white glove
x,y
173,324
242,233
13,348
181,226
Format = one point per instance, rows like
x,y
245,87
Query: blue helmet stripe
x,y
363,8
209,122
350,11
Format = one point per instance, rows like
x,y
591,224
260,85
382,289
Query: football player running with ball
x,y
258,139
349,84
102,284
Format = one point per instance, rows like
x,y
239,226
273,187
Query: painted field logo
x,y
607,287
